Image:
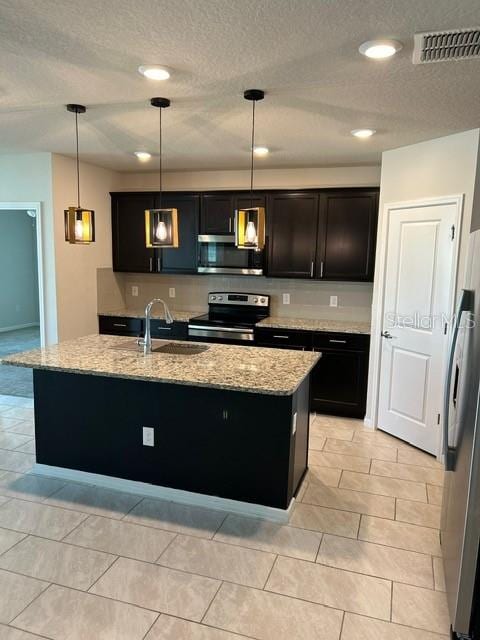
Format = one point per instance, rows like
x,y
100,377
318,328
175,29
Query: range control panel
x,y
248,299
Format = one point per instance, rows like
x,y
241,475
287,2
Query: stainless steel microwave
x,y
218,254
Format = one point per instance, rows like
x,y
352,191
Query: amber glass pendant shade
x,y
161,228
79,225
250,228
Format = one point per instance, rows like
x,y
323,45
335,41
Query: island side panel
x,y
299,442
230,444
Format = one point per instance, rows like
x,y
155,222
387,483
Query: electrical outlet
x,y
171,292
286,298
148,437
134,290
334,301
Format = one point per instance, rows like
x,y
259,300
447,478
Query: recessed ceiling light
x,y
143,156
380,49
362,133
260,151
154,72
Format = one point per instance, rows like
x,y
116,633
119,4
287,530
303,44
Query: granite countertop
x,y
272,322
305,324
157,314
236,368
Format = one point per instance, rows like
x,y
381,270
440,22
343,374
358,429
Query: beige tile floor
x,y
359,560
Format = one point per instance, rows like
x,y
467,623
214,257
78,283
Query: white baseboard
x,y
19,326
166,493
368,423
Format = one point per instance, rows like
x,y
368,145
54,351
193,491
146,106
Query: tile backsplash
x,y
308,299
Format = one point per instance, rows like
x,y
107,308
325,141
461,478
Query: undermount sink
x,y
180,349
163,346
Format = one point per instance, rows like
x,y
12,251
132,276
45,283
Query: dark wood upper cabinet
x,y
128,233
217,214
347,235
292,230
184,258
323,234
245,200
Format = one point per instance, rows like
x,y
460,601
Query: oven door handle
x,y
228,329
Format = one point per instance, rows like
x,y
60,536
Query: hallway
x,y
15,381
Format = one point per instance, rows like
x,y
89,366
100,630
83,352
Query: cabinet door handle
x,y
163,328
311,269
282,337
339,341
151,264
230,225
119,324
321,269
159,266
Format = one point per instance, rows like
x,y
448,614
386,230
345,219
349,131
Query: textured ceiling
x,y
302,52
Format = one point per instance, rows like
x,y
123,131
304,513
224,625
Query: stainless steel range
x,y
231,318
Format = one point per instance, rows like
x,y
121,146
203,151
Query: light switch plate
x,y
134,290
148,437
286,298
334,301
171,292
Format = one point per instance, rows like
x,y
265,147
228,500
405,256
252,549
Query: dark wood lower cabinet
x,y
230,444
125,326
339,380
339,383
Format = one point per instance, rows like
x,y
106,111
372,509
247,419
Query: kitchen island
x,y
226,427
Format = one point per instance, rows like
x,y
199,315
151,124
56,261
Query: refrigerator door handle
x,y
465,304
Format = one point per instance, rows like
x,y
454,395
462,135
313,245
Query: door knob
x,y
386,334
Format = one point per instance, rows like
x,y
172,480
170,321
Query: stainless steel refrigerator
x,y
460,528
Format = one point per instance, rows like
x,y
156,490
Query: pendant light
x,y
79,222
161,225
250,222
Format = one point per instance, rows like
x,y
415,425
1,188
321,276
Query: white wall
x,y
76,265
368,176
441,167
28,178
18,270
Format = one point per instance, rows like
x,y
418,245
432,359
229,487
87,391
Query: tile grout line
x,y
49,584
211,602
270,572
175,536
152,625
114,561
341,625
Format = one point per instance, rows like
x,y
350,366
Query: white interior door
x,y
420,267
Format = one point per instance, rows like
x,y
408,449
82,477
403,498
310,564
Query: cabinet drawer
x,y
175,331
120,326
285,338
341,341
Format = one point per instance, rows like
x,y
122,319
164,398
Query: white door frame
x,y
37,207
379,309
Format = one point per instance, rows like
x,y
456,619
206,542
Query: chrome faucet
x,y
146,343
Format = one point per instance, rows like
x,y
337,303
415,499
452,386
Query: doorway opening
x,y
21,311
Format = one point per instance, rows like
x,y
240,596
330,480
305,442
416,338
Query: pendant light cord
x,y
252,154
78,163
160,156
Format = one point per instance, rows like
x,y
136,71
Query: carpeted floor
x,y
15,381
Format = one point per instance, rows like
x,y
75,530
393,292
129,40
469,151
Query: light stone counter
x,y
272,322
236,368
305,324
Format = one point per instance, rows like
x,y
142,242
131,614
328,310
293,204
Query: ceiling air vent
x,y
437,46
